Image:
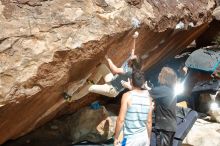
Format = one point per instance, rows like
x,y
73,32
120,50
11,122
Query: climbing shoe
x,y
66,96
90,82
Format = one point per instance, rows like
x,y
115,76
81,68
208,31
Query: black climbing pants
x,y
164,138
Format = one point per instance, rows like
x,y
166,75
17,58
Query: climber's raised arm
x,y
134,36
113,67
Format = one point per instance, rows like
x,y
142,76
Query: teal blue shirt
x,y
137,113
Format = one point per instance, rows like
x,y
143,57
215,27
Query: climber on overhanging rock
x,y
113,83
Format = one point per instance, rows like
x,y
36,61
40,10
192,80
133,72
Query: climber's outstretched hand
x,y
135,35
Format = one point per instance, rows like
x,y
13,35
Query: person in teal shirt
x,y
135,116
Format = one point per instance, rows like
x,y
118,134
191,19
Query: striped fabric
x,y
137,113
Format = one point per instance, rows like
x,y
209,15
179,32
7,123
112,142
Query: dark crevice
x,y
3,39
31,3
10,47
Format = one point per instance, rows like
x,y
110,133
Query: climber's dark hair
x,y
135,63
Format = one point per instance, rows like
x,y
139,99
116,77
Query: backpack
x,y
204,59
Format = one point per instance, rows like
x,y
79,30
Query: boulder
x,y
216,13
215,114
92,125
47,45
203,133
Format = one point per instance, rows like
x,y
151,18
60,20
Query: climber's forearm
x,y
114,68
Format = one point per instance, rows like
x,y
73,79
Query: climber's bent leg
x,y
81,93
106,73
105,89
101,71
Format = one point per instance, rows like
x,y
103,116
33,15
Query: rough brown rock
x,y
209,36
92,125
46,45
136,3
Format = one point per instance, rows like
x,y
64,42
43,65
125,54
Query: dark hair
x,y
137,78
135,63
167,77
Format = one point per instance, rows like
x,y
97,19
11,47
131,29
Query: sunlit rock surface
x,y
203,133
215,114
216,13
47,45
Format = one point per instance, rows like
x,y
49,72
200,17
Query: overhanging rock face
x,y
47,45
